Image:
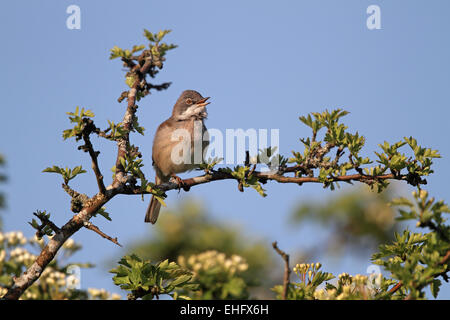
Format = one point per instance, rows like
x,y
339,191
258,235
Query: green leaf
x,y
181,280
435,286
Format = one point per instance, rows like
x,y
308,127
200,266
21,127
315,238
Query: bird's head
x,y
190,104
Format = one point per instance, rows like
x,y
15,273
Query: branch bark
x,y
49,252
93,154
90,226
221,175
287,269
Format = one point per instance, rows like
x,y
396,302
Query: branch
x,y
88,128
395,288
45,222
263,176
94,228
123,142
78,199
47,254
287,270
139,84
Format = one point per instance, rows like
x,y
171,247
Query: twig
x,y
89,127
287,270
395,288
45,222
94,228
72,193
446,258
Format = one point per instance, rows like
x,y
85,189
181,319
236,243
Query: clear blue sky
x,y
263,63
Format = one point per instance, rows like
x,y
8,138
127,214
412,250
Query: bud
x,y
423,194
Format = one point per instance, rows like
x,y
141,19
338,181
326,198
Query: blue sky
x,y
263,63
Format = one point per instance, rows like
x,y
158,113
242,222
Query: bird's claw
x,y
180,183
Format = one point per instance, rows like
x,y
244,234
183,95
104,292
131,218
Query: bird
x,y
188,115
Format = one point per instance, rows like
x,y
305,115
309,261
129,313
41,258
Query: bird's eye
x,y
189,101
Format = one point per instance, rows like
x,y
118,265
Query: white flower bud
x,y
228,263
243,267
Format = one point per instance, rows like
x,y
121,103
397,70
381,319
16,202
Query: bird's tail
x,y
153,208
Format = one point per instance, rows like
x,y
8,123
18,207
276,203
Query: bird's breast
x,y
179,146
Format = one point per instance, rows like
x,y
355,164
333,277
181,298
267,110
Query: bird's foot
x,y
180,183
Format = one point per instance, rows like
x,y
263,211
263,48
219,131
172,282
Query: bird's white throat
x,y
194,111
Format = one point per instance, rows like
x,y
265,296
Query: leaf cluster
x,y
246,178
44,228
417,260
148,280
317,155
77,118
66,173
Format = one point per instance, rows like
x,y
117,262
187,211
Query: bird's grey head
x,y
190,104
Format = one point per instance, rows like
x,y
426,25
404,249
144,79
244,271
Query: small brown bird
x,y
187,117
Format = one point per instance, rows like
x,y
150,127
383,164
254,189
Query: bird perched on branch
x,y
180,143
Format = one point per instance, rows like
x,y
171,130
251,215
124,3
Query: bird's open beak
x,y
202,102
